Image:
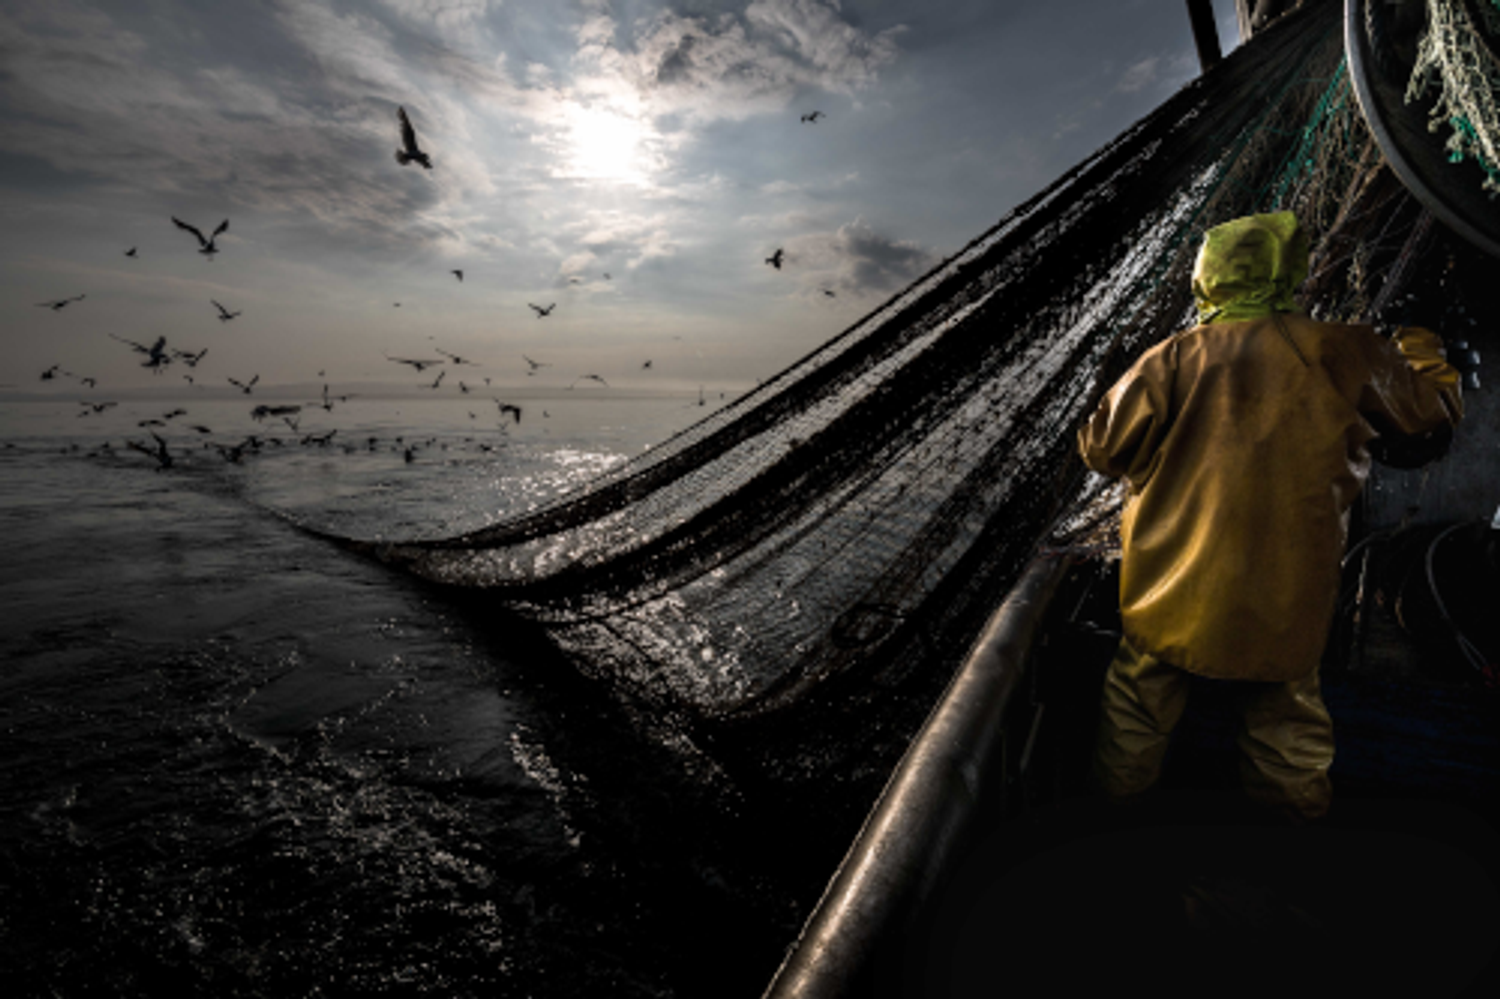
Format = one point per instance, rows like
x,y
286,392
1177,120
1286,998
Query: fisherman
x,y
1245,442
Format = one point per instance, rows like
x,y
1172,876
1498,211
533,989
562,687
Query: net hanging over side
x,y
861,514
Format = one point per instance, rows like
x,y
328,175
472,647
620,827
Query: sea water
x,y
238,761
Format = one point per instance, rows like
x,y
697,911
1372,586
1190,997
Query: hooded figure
x,y
1245,442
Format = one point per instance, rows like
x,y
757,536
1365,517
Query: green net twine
x,y
1455,59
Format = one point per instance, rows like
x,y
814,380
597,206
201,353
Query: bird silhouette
x,y
319,438
160,453
190,359
418,363
439,380
244,387
51,372
534,364
156,355
606,275
813,116
262,411
509,407
205,246
828,292
594,378
646,365
457,274
775,259
95,407
90,382
409,153
541,312
224,314
60,304
455,358
130,252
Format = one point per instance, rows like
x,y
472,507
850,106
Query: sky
x,y
632,162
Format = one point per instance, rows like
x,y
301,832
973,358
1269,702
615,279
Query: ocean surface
x,y
238,761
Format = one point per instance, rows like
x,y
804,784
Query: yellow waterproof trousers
x,y
1285,736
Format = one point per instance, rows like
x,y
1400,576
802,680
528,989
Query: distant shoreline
x,y
309,393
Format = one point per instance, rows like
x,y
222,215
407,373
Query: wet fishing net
x,y
823,551
1457,60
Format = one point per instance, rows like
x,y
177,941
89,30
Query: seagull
x,y
188,358
541,312
293,423
534,364
606,275
200,428
156,353
828,292
775,259
130,252
244,387
418,364
317,439
224,314
59,304
51,372
262,411
509,407
455,358
463,388
439,380
328,400
595,378
409,151
205,246
164,460
95,407
457,274
813,116
646,365
90,382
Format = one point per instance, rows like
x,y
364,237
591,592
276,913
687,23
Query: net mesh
x,y
829,546
1456,59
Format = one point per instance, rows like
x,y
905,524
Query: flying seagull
x,y
439,379
534,364
244,387
455,358
156,355
224,314
419,363
813,116
409,152
130,252
509,407
775,259
163,459
190,359
594,378
59,304
95,407
646,365
205,246
457,274
540,312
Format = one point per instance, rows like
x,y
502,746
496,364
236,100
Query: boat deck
x,y
1398,890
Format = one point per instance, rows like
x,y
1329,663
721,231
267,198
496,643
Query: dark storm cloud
x,y
856,259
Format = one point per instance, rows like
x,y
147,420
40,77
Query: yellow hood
x,y
1248,268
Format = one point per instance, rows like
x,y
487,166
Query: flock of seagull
x,y
158,355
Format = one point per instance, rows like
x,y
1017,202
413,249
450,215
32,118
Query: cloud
x,y
731,66
1138,76
857,259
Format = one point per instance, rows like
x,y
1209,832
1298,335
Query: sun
x,y
604,144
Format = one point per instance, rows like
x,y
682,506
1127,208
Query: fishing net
x,y
824,550
1456,58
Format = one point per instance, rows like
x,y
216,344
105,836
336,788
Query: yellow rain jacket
x,y
1244,443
